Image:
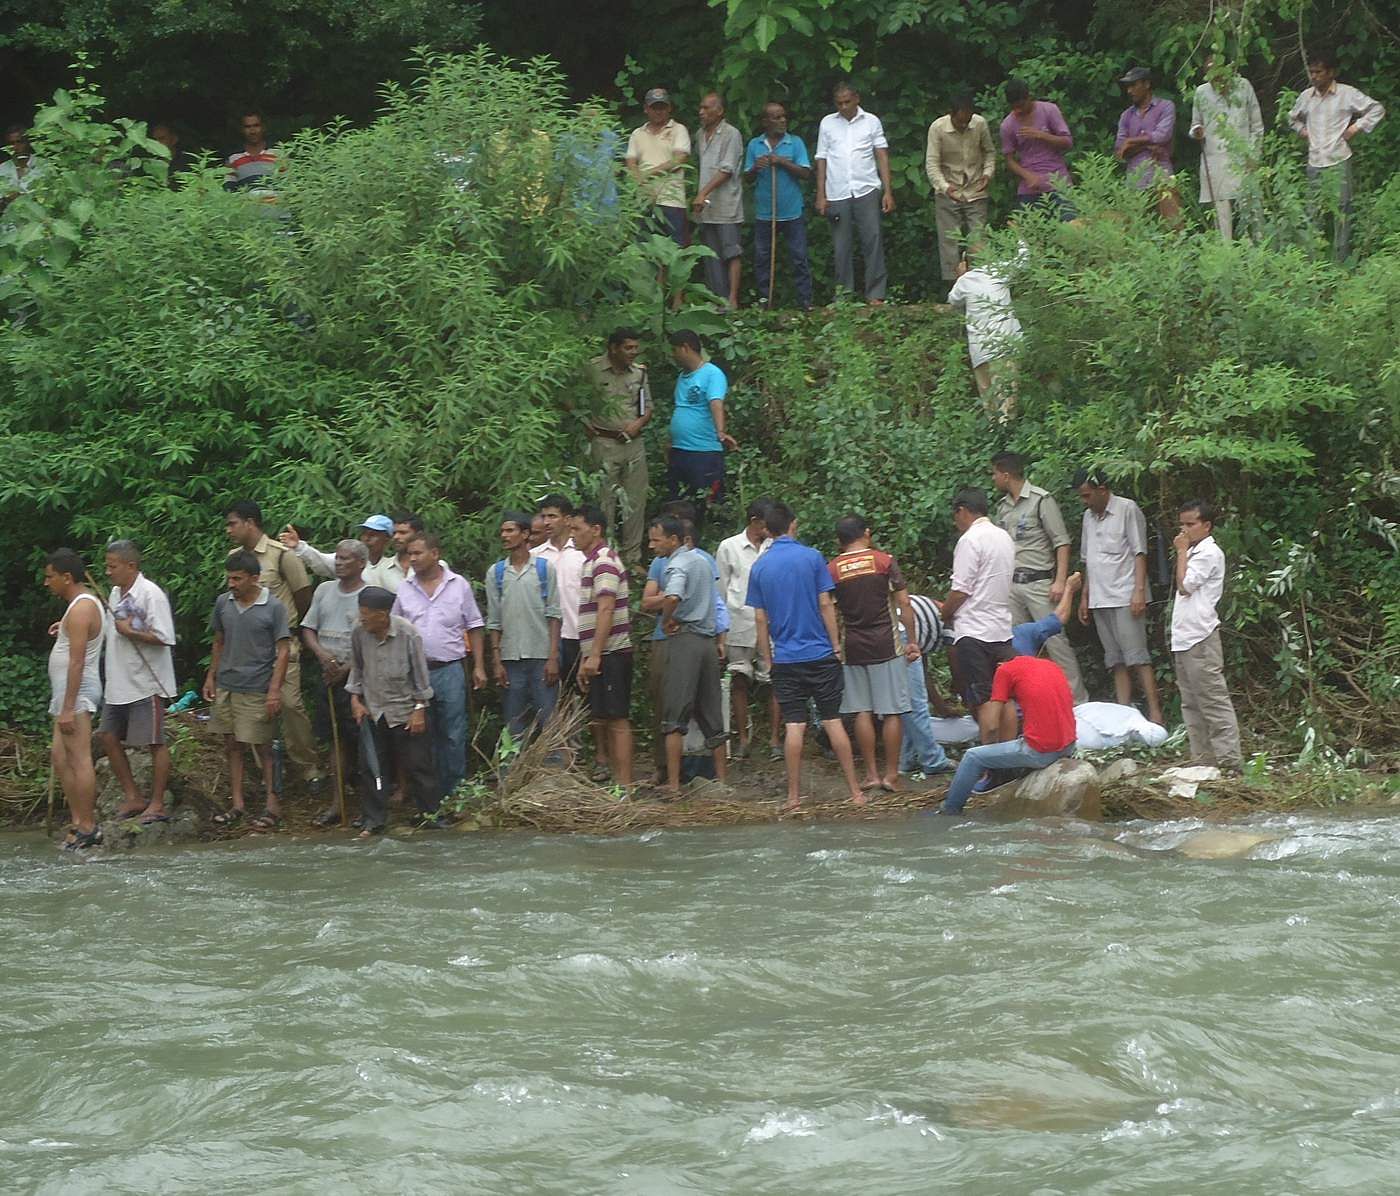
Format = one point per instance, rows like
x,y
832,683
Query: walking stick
x,y
48,814
773,230
339,758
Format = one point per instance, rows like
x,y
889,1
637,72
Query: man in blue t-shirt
x,y
777,163
698,438
790,590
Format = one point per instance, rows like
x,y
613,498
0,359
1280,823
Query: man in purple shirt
x,y
1034,138
442,608
1144,142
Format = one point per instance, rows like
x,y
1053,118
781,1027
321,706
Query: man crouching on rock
x,y
1041,689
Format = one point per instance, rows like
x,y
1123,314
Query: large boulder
x,y
1214,843
131,834
1068,788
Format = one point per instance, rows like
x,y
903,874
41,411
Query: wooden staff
x,y
339,759
772,225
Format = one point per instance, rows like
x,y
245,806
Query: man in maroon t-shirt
x,y
1039,687
875,666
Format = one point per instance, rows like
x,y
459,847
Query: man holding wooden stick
x,y
778,163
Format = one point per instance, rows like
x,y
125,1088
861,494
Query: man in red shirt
x,y
1039,687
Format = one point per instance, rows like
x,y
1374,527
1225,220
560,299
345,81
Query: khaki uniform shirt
x,y
621,402
283,574
1034,522
963,160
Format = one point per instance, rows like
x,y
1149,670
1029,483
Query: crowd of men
x,y
400,639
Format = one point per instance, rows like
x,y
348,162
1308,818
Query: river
x,y
910,1007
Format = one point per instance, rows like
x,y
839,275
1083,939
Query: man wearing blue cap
x,y
376,533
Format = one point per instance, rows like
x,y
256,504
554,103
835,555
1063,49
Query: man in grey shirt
x,y
691,684
1113,542
523,619
718,204
1031,517
389,694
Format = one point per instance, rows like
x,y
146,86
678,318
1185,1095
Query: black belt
x,y
1023,577
442,664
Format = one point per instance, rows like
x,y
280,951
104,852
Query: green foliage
x,y
384,337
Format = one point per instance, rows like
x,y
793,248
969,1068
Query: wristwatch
x,y
420,705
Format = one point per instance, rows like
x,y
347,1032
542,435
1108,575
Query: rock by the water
x,y
1119,770
130,834
1068,788
1214,844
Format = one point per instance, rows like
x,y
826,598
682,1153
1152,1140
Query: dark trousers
x,y
852,218
794,236
414,754
698,477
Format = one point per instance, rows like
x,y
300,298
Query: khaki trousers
x,y
958,224
296,726
1031,601
1205,704
624,467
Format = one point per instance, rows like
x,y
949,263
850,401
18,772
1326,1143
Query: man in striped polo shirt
x,y
605,641
248,167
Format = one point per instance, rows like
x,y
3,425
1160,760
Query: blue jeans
x,y
1027,639
526,693
1013,754
794,236
447,724
921,751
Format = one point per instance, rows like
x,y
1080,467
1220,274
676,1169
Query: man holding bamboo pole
x,y
778,164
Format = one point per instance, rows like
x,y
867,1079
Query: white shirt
x,y
568,570
1193,612
11,181
848,148
386,572
136,671
985,296
1325,118
1111,544
1233,129
983,563
735,557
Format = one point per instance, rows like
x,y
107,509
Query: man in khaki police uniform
x,y
286,577
1032,518
620,413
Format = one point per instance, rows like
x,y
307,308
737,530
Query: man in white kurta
x,y
1225,119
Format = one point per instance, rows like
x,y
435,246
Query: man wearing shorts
x,y
978,605
140,680
605,642
735,558
876,670
790,592
252,643
1113,542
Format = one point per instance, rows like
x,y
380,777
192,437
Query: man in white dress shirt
x,y
979,603
1327,116
853,189
735,558
1205,698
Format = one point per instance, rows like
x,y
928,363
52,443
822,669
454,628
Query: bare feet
x,y
890,784
860,799
790,805
873,783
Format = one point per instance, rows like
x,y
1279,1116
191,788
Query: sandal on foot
x,y
82,840
152,819
370,832
230,817
326,818
123,815
267,822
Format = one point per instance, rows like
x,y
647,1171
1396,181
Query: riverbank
x,y
1111,786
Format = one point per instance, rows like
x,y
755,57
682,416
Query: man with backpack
x,y
523,619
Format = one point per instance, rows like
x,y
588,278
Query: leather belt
x,y
1022,577
442,664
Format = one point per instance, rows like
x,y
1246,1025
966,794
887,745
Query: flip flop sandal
x,y
267,822
154,818
328,818
229,818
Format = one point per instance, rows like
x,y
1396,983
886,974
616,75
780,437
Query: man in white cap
x,y
376,533
656,156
